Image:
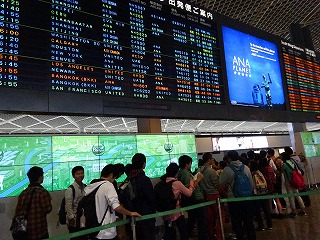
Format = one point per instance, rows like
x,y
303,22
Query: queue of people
x,y
211,180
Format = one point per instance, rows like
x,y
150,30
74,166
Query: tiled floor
x,y
299,228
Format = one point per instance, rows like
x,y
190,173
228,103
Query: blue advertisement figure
x,y
266,86
257,95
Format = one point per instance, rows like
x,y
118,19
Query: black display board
x,y
302,71
151,58
160,55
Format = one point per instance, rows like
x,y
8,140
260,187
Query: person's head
x,y
288,150
207,159
233,155
107,173
200,162
244,156
35,175
263,162
285,156
257,157
118,170
139,161
278,162
215,164
270,153
172,170
78,173
128,168
250,154
223,164
185,162
254,166
225,159
263,153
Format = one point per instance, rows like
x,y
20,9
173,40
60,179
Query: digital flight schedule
x,y
302,71
156,50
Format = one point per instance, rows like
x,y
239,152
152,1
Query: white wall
x,y
312,170
204,144
279,141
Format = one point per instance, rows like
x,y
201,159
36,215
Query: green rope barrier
x,y
161,214
259,197
90,230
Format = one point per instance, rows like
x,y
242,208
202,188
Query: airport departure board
x,y
302,72
143,49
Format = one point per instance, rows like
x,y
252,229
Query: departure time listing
x,y
152,49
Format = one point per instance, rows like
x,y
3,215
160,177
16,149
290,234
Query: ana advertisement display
x,y
253,70
57,155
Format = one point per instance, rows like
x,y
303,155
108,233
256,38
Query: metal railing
x,y
161,214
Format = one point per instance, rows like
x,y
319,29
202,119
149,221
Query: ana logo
x,y
241,66
168,146
98,149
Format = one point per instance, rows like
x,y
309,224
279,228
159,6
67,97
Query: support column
x,y
295,136
149,125
310,166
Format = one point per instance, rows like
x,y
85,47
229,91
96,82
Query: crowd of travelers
x,y
235,176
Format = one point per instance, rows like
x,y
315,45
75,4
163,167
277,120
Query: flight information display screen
x,y
302,71
157,50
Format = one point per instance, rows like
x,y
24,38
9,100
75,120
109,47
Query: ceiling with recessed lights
x,y
57,124
272,16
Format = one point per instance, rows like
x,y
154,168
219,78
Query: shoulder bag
x,y
19,223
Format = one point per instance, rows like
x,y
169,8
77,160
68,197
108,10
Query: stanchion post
x,y
220,218
133,228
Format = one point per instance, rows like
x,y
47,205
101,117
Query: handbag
x,y
19,227
19,224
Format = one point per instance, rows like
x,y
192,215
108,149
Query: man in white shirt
x,y
107,196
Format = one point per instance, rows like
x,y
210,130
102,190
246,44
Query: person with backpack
x,y
144,201
294,158
210,187
261,188
238,178
73,195
106,203
198,214
288,166
177,188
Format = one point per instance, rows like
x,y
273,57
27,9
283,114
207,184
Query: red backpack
x,y
297,180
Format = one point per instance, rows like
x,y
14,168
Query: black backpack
x,y
165,199
62,211
87,209
127,193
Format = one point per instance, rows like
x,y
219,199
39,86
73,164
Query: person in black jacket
x,y
144,202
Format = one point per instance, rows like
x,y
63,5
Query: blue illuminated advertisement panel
x,y
253,70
